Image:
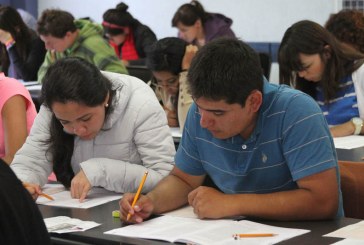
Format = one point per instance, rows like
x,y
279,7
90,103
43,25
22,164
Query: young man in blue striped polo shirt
x,y
267,147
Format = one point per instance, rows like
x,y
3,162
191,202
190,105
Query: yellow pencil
x,y
42,194
136,197
253,235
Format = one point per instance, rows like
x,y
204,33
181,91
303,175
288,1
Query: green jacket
x,y
89,45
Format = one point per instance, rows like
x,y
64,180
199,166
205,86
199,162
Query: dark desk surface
x,y
102,214
355,154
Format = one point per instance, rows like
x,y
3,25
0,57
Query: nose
x,y
79,129
301,73
205,120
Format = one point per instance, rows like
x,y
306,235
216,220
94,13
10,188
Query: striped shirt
x,y
291,140
344,107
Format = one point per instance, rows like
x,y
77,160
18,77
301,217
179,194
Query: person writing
x,y
312,60
95,129
21,52
265,156
64,36
198,27
130,39
17,116
169,60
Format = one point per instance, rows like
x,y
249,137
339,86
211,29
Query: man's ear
x,y
255,100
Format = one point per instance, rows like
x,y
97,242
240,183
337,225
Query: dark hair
x,y
225,69
189,13
71,79
118,16
310,38
56,23
348,27
11,21
166,55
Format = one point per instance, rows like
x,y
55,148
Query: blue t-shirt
x,y
291,140
345,105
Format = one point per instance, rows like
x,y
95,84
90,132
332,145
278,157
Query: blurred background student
x,y
17,116
198,27
22,51
129,38
169,61
348,27
312,60
21,222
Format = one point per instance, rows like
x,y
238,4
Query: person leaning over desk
x,y
95,129
312,60
64,36
169,60
269,159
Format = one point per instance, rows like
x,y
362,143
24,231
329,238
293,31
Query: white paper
x,y
197,231
62,197
349,242
64,224
354,231
184,212
349,142
176,132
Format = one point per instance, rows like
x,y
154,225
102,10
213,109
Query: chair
x,y
265,63
141,72
352,187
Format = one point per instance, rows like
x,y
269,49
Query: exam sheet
x,y
62,197
197,231
354,231
349,142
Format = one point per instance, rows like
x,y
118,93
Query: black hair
x,y
118,16
189,13
166,55
56,23
71,80
225,69
11,21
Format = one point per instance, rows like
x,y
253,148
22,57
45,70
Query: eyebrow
x,y
210,110
80,118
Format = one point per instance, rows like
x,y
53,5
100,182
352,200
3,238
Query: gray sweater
x,y
135,138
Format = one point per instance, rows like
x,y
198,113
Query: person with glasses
x,y
311,59
169,61
129,38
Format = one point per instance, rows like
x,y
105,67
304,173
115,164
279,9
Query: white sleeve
x,y
358,80
32,162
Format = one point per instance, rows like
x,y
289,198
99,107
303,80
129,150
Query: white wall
x,y
254,20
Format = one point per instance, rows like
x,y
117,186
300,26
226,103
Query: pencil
x,y
42,194
253,235
136,197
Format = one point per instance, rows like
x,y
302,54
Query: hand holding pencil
x,y
36,191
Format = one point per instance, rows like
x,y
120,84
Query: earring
x,y
106,105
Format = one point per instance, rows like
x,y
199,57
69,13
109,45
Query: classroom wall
x,y
262,23
254,20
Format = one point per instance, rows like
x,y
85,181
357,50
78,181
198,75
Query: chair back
x,y
352,187
141,72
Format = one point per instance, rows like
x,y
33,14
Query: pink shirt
x,y
10,87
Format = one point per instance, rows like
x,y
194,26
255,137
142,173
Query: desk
x,y
102,214
354,155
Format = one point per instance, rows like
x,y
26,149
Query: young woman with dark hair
x,y
95,129
21,51
312,60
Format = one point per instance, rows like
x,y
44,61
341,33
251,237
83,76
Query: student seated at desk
x,y
198,27
269,159
21,50
95,129
21,221
66,37
169,61
312,60
129,38
17,113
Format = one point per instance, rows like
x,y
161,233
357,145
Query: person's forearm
x,y
344,129
169,194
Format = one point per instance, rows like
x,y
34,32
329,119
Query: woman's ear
x,y
327,52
